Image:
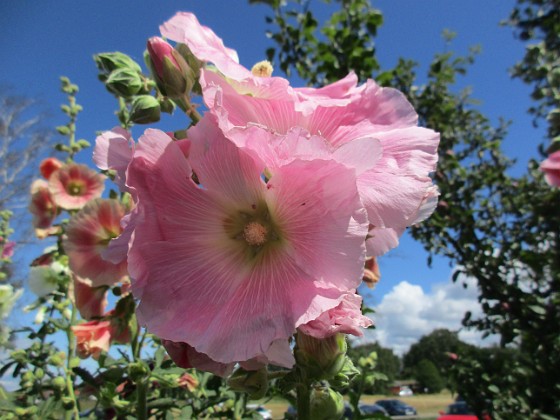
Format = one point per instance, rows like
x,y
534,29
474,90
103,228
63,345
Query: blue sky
x,y
42,40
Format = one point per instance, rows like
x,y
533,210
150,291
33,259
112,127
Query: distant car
x,y
369,409
460,411
397,408
261,411
405,391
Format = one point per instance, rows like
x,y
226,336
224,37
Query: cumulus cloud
x,y
407,313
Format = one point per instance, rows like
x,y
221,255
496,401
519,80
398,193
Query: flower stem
x,y
303,401
141,400
74,413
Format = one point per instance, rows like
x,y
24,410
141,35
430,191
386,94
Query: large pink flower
x,y
551,169
87,236
396,189
42,205
238,261
73,185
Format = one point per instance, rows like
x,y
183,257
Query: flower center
x,y
255,233
75,188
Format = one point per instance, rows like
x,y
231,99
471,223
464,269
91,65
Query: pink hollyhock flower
x,y
113,151
73,185
551,169
42,205
8,249
346,318
186,357
245,256
48,166
88,234
396,188
90,301
92,338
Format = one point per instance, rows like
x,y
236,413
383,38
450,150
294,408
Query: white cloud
x,y
407,313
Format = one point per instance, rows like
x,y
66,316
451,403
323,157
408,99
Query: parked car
x,y
405,391
369,409
261,411
397,408
460,411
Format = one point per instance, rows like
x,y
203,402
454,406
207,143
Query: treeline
x,y
438,361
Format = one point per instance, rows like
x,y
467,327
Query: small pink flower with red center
x,y
49,165
88,234
90,301
551,169
92,338
42,205
73,185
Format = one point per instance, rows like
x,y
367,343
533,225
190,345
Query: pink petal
x,y
551,169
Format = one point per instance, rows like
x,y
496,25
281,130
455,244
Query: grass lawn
x,y
426,405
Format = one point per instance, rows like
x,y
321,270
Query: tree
x,y
428,377
434,347
22,138
504,231
388,363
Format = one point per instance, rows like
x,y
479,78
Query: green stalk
x,y
74,413
303,401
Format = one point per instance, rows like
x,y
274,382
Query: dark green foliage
x,y
502,230
428,377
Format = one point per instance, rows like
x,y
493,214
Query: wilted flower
x,y
372,275
92,338
73,185
551,169
8,249
48,166
245,250
42,205
96,336
88,234
186,380
186,357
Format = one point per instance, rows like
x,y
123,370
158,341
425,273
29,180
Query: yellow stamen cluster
x,y
262,69
255,234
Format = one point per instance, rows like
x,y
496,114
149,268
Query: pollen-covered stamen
x,y
255,234
262,69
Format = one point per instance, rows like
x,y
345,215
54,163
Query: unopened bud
x,y
137,371
49,165
145,110
174,77
326,404
109,62
321,358
124,82
58,383
253,382
262,69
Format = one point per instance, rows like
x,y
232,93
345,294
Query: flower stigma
x,y
255,234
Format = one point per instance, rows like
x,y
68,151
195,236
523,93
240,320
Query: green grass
x,y
425,404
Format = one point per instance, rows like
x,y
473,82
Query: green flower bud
x,y
39,373
109,62
320,358
346,374
145,110
58,383
326,404
124,82
253,382
137,371
167,105
19,356
68,403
